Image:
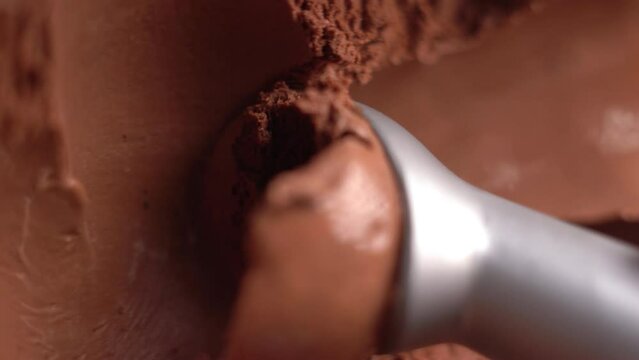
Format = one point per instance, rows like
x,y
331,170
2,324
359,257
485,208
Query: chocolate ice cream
x,y
105,109
108,109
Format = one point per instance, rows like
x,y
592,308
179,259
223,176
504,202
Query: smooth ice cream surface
x,y
108,109
105,110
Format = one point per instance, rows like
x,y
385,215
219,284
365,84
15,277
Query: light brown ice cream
x,y
107,108
543,113
316,258
321,247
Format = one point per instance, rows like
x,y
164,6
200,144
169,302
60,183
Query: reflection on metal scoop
x,y
512,283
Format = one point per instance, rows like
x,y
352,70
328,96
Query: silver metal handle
x,y
503,279
549,290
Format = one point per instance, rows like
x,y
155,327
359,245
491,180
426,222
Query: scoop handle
x,y
546,289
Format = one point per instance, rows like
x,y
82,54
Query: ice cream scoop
x,y
503,279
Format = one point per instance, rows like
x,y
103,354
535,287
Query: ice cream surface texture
x,y
108,109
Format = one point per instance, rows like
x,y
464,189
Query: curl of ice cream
x,y
299,201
